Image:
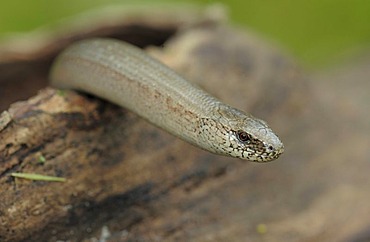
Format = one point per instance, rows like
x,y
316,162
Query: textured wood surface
x,y
130,181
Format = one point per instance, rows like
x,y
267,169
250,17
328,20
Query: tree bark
x,y
133,180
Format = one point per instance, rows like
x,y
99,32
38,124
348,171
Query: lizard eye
x,y
243,136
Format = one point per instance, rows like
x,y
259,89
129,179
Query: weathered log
x,y
141,184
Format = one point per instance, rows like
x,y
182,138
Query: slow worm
x,y
125,75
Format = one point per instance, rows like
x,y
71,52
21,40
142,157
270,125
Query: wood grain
x,y
141,184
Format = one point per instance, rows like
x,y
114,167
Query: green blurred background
x,y
318,32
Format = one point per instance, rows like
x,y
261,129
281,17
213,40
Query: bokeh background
x,y
319,33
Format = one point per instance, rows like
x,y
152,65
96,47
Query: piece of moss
x,y
42,159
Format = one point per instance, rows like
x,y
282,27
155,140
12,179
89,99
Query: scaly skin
x,y
125,75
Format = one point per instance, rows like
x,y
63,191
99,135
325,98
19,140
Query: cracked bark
x,y
138,181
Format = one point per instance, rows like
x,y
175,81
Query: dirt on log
x,y
127,180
